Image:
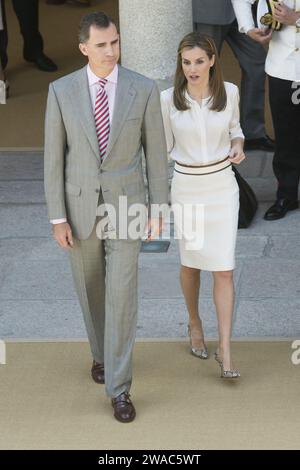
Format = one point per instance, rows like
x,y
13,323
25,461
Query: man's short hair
x,y
99,19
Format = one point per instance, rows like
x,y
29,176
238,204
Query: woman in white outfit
x,y
204,137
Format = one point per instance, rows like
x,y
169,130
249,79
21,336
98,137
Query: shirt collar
x,y
112,77
191,100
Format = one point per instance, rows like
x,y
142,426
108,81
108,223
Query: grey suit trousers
x,y
109,310
251,57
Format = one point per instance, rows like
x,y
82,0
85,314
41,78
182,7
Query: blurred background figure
x,y
283,70
217,19
28,18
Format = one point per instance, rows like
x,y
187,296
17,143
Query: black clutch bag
x,y
248,201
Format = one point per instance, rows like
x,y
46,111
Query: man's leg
x,y
28,16
3,40
121,313
217,32
251,57
286,119
88,269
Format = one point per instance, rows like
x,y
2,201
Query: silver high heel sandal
x,y
201,353
227,374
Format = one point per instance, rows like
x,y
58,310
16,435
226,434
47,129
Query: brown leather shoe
x,y
97,372
124,410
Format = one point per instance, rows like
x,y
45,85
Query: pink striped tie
x,y
102,118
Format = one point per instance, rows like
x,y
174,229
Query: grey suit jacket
x,y
73,173
214,12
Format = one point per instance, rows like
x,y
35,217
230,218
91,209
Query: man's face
x,y
102,49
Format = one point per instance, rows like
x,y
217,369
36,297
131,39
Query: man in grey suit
x,y
98,120
217,19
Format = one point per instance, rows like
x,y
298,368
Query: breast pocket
x,y
133,122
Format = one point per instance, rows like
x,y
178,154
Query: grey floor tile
x,y
268,278
285,247
252,166
38,280
24,221
272,317
268,166
31,249
169,318
290,224
41,319
264,188
21,166
22,192
249,246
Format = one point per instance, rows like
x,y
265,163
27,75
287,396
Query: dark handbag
x,y
248,201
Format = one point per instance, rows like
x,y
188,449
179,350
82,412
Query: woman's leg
x,y
224,303
190,283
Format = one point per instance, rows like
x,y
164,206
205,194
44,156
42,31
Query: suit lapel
x,y
80,93
125,94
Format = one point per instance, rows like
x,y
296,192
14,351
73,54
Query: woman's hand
x,y
236,154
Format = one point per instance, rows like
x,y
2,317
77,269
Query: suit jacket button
x,y
97,190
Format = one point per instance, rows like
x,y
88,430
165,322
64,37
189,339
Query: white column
x,y
150,33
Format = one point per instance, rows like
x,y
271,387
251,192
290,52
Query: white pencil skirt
x,y
206,208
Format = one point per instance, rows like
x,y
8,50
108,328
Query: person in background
x,y
33,50
204,137
217,19
283,69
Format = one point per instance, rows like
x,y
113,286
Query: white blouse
x,y
199,135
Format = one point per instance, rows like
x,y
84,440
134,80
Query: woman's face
x,y
196,65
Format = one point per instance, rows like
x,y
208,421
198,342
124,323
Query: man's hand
x,y
263,36
237,153
62,233
154,228
285,15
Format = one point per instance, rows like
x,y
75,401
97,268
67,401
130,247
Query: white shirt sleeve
x,y
165,109
243,13
235,129
58,221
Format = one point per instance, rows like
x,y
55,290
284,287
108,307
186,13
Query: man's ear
x,y
82,48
